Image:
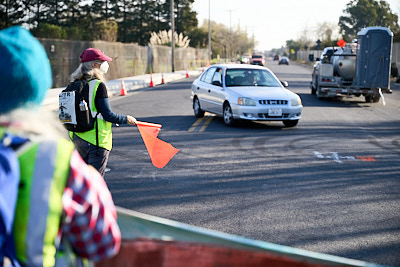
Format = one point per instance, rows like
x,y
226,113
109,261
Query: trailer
x,y
359,68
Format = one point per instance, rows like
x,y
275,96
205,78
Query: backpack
x,y
73,109
9,182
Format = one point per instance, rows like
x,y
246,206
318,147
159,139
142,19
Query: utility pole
x,y
230,34
173,35
209,32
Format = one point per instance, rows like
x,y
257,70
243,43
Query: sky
x,y
273,22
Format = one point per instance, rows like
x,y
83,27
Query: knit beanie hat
x,y
25,73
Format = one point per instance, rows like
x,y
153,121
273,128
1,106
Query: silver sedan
x,y
248,92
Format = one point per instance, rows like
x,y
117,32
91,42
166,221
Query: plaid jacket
x,y
90,223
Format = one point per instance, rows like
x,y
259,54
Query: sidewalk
x,y
131,84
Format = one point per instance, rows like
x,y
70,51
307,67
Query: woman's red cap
x,y
92,54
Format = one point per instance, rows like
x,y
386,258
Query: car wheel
x,y
372,98
228,116
198,112
313,89
290,123
320,94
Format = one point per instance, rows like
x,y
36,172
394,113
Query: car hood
x,y
263,92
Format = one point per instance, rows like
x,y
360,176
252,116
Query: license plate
x,y
275,112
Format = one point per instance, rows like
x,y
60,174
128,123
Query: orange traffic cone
x,y
151,80
123,89
162,78
187,73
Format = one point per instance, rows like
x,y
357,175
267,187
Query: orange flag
x,y
341,43
159,151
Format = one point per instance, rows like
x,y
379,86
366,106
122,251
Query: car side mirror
x,y
216,83
285,83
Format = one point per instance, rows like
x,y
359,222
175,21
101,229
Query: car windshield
x,y
250,77
256,56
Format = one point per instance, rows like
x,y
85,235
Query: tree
x,y
295,46
54,12
85,20
73,14
221,37
45,30
186,18
10,13
328,33
364,13
141,19
198,37
106,31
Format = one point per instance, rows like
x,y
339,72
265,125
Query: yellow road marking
x,y
194,126
206,123
202,123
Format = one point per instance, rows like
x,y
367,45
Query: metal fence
x,y
128,59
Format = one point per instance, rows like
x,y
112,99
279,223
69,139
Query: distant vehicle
x,y
358,69
257,59
284,60
244,59
245,92
276,57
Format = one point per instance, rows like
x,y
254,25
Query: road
x,y
330,184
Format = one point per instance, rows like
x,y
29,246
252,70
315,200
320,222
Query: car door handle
x,y
209,91
198,88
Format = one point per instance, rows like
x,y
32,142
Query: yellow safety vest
x,y
44,168
104,127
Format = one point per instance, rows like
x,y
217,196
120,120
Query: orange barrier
x,y
158,253
123,89
151,80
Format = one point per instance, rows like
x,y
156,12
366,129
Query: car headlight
x,y
244,101
295,102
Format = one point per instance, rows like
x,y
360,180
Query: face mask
x,y
104,67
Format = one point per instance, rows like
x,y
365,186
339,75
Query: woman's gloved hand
x,y
131,120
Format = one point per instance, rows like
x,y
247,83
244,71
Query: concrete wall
x,y
303,55
128,59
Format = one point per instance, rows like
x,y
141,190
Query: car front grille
x,y
266,116
273,102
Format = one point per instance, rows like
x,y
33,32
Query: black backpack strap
x,y
9,167
9,248
97,133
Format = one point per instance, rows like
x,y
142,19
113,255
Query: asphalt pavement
x,y
328,185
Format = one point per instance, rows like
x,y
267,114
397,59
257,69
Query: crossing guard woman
x,y
95,145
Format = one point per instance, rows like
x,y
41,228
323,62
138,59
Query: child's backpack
x,y
73,110
9,181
